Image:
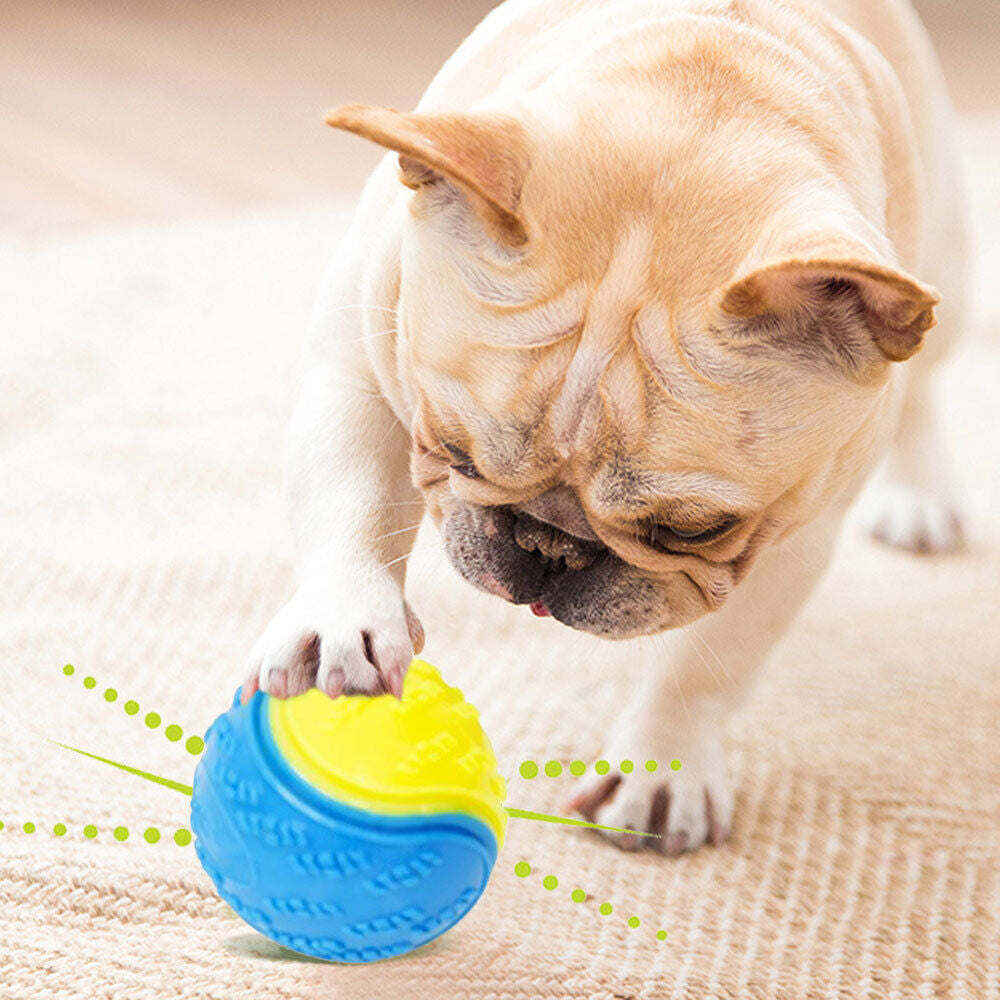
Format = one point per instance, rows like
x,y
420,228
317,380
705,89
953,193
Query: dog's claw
x,y
674,844
250,688
309,643
334,686
684,810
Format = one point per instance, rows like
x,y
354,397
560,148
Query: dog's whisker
x,y
401,531
363,305
435,449
680,690
691,634
392,562
370,336
662,642
704,660
395,421
715,656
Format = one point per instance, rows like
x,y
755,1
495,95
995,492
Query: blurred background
x,y
140,110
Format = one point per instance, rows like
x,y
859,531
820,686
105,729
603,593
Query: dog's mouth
x,y
580,582
562,555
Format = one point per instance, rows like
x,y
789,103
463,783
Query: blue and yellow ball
x,y
354,828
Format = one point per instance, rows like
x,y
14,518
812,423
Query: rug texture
x,y
146,377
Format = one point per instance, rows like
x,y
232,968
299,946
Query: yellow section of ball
x,y
423,754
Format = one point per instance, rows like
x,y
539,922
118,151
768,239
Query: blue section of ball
x,y
316,875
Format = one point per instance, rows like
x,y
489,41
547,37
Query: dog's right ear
x,y
483,155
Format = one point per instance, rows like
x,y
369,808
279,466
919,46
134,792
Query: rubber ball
x,y
354,828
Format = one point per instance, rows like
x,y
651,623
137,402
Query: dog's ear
x,y
484,155
833,282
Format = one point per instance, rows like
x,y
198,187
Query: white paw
x,y
686,808
910,519
360,647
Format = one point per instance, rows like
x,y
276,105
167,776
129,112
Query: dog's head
x,y
637,357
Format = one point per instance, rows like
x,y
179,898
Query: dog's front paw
x,y
686,807
356,647
910,519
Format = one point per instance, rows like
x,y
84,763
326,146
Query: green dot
x,y
633,921
1,824
182,838
132,707
662,935
550,881
89,682
110,695
29,827
577,767
152,835
605,909
627,766
152,720
68,669
121,833
528,769
602,767
650,766
173,732
90,831
578,895
553,769
194,745
59,829
675,765
522,868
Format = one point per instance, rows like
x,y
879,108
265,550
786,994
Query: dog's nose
x,y
560,507
551,544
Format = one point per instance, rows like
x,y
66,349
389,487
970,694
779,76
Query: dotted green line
x,y
522,870
553,768
181,837
194,744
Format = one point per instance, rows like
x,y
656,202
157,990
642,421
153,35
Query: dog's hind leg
x,y
911,502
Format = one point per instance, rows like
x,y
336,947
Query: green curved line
x,y
548,818
178,786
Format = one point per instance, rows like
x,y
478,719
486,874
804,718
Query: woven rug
x,y
146,376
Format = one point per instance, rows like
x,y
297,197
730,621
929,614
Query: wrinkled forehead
x,y
604,382
521,444
567,379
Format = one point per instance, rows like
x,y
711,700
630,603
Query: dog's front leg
x,y
355,513
681,709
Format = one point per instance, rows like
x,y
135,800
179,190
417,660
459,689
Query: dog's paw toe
x,y
305,647
910,519
682,809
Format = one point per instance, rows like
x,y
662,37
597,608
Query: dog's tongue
x,y
539,608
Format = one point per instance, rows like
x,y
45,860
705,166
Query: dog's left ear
x,y
484,155
897,310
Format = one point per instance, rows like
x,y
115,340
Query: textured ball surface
x,y
354,828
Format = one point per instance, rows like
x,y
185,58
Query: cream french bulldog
x,y
626,310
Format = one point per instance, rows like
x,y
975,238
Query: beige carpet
x,y
145,378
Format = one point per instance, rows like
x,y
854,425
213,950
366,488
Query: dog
x,y
639,297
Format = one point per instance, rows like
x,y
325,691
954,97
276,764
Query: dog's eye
x,y
667,536
462,463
